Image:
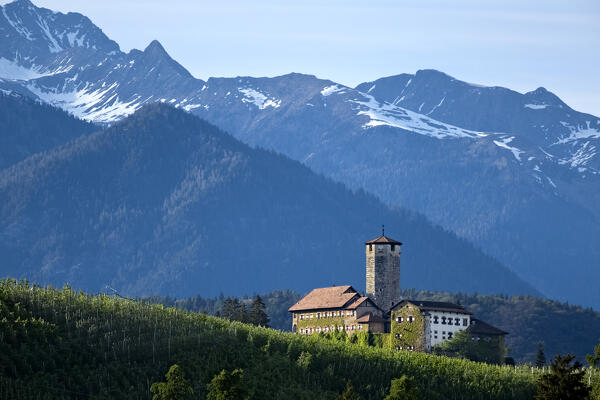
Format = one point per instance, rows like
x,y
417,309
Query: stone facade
x,y
383,273
365,317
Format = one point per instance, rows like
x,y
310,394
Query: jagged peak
x,y
155,48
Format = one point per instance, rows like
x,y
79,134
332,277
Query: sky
x,y
517,44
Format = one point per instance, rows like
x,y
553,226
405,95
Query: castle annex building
x,y
413,325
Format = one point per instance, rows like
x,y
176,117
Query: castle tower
x,y
383,271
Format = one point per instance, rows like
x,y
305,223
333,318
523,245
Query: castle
x,y
413,325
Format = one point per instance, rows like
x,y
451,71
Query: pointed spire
x,y
382,230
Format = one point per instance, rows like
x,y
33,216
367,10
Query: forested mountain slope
x,y
28,126
60,344
165,203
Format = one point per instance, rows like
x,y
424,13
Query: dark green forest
x,y
29,126
63,344
560,327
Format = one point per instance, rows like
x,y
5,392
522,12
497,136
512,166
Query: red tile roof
x,y
329,297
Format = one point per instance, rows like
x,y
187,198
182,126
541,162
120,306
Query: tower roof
x,y
383,239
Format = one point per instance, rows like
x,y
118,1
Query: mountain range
x,y
165,203
516,174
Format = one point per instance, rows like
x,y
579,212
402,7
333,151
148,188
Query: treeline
x,y
276,307
62,344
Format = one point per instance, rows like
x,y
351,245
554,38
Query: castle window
x,y
456,321
435,336
370,247
393,247
318,315
465,323
360,327
399,319
449,335
443,320
435,319
449,321
410,319
301,316
397,347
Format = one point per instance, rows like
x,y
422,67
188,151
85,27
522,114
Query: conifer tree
x,y
234,310
564,381
258,315
227,386
540,358
594,359
175,388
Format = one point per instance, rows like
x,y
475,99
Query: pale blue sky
x,y
517,44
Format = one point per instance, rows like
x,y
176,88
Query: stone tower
x,y
383,271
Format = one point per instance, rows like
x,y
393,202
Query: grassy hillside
x,y
69,345
561,327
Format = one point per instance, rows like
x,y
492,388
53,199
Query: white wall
x,y
443,329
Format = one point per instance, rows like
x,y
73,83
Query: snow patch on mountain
x,y
504,144
13,71
578,132
99,105
329,90
17,25
258,99
580,157
536,106
384,114
53,45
